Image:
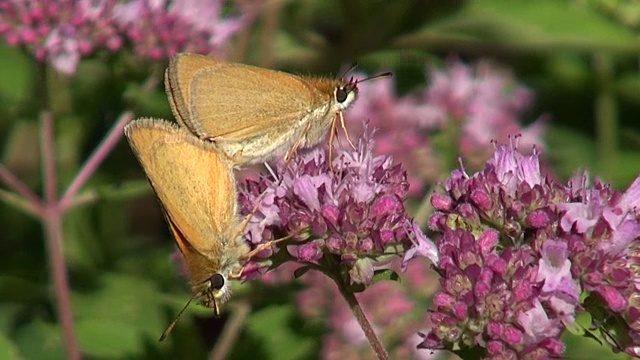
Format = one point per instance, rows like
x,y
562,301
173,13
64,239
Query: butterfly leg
x,y
297,145
273,173
245,222
264,246
237,273
344,128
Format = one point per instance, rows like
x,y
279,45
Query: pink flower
x,y
464,109
349,215
63,50
537,325
60,32
525,285
159,29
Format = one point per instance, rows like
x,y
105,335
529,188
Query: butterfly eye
x,y
341,94
217,281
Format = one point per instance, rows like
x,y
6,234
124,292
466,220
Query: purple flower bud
x,y
309,252
482,200
512,336
349,260
460,311
331,214
386,237
495,329
495,347
335,244
613,298
498,265
63,32
441,299
318,226
441,202
351,241
365,245
522,291
488,240
481,290
386,205
538,219
355,214
554,346
469,213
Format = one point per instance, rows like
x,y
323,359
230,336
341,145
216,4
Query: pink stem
x,y
354,305
92,164
48,158
53,231
103,149
19,187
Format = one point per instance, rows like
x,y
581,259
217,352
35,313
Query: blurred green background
x,y
580,57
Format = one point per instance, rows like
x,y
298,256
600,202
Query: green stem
x,y
354,305
231,331
330,267
424,210
605,113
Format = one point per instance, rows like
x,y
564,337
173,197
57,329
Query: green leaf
x,y
8,350
542,25
584,319
125,191
271,326
355,288
15,69
580,326
385,274
108,339
40,340
628,87
566,148
9,312
472,353
297,273
584,347
153,104
625,170
553,21
20,290
124,303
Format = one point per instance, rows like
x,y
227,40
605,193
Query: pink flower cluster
x,y
520,255
347,212
160,29
460,112
61,32
348,220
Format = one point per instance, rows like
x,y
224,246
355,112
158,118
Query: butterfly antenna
x,y
353,66
378,76
175,321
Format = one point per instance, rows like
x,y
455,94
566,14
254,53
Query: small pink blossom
x,y
63,32
533,258
482,104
